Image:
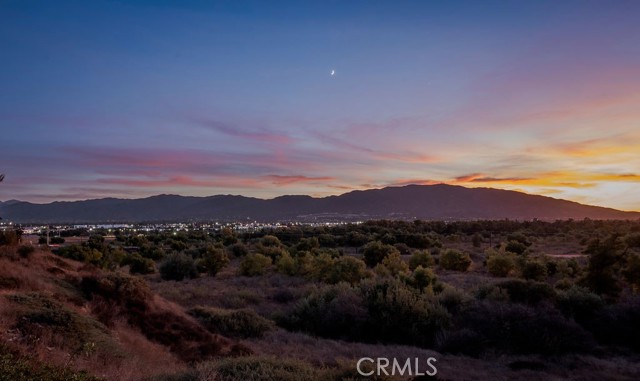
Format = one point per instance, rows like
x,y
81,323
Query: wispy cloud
x,y
257,135
286,180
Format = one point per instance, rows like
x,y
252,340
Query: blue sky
x,y
134,98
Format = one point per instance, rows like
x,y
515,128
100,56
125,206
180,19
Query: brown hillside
x,y
67,314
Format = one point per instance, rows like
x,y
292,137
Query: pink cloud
x,y
182,182
286,180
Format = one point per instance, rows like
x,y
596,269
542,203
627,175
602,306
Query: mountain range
x,y
440,201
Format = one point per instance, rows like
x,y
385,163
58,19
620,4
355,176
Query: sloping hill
x,y
409,202
64,313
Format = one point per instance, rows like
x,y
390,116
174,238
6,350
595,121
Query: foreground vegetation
x,y
497,298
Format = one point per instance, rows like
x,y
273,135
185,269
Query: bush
x,y
500,264
394,263
421,258
455,260
526,292
579,303
25,251
618,324
270,241
273,252
320,266
346,269
400,314
139,265
238,250
334,311
213,260
152,252
422,277
9,238
603,262
254,264
516,247
178,267
244,323
453,299
376,252
519,329
286,264
534,270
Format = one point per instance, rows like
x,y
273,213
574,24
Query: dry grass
x,y
144,334
323,352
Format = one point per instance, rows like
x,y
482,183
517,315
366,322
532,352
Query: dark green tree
x,y
603,262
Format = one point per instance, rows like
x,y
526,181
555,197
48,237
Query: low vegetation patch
x,y
17,368
243,323
266,368
38,315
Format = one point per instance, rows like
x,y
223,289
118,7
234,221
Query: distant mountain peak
x,y
438,201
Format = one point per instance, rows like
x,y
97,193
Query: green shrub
x,y
213,260
456,260
244,323
321,266
335,311
304,264
401,314
178,266
254,264
270,241
421,258
139,265
520,291
579,303
516,247
453,299
238,250
308,244
376,252
286,264
152,252
346,269
604,259
273,252
534,270
422,277
394,263
500,264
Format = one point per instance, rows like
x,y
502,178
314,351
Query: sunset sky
x,y
136,98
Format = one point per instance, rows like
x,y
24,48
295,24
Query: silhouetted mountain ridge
x,y
439,201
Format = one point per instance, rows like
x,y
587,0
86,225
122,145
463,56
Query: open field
x,y
488,300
